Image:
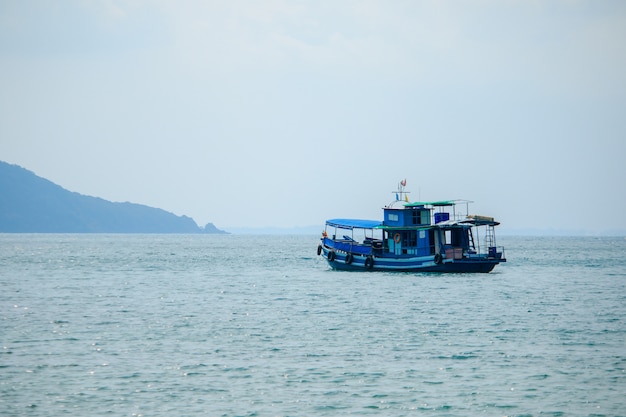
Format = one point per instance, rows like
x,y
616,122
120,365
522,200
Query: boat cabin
x,y
420,229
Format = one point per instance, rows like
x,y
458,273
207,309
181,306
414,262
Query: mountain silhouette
x,y
31,204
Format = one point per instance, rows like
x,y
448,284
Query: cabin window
x,y
420,217
456,237
409,238
393,217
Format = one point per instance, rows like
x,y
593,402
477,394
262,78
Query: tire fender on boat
x,y
438,259
349,258
319,250
369,262
397,238
331,255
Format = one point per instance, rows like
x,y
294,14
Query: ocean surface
x,y
214,325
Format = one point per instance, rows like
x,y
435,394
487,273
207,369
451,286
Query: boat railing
x,y
496,252
490,251
348,246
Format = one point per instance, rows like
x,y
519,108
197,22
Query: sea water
x,y
232,325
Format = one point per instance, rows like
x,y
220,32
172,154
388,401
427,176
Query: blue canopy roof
x,y
353,223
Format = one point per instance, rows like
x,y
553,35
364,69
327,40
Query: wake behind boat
x,y
434,236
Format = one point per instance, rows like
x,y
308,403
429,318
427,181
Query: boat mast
x,y
401,195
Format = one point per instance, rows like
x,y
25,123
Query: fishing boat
x,y
436,236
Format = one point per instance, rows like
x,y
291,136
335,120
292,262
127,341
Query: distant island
x,y
31,204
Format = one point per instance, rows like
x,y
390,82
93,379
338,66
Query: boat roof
x,y
354,223
480,220
376,224
432,203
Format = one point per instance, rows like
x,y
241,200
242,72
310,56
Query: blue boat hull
x,y
478,264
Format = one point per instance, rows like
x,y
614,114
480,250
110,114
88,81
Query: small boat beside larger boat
x,y
434,236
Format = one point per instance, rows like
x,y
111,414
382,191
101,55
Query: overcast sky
x,y
285,113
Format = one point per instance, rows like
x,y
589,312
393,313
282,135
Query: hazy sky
x,y
285,113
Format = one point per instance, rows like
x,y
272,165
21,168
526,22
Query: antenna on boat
x,y
401,195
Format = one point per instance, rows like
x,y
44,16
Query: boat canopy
x,y
431,203
480,220
353,223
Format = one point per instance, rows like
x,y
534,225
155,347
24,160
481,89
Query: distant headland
x,y
31,204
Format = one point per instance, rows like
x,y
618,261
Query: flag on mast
x,y
403,182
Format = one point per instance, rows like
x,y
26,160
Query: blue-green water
x,y
130,325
